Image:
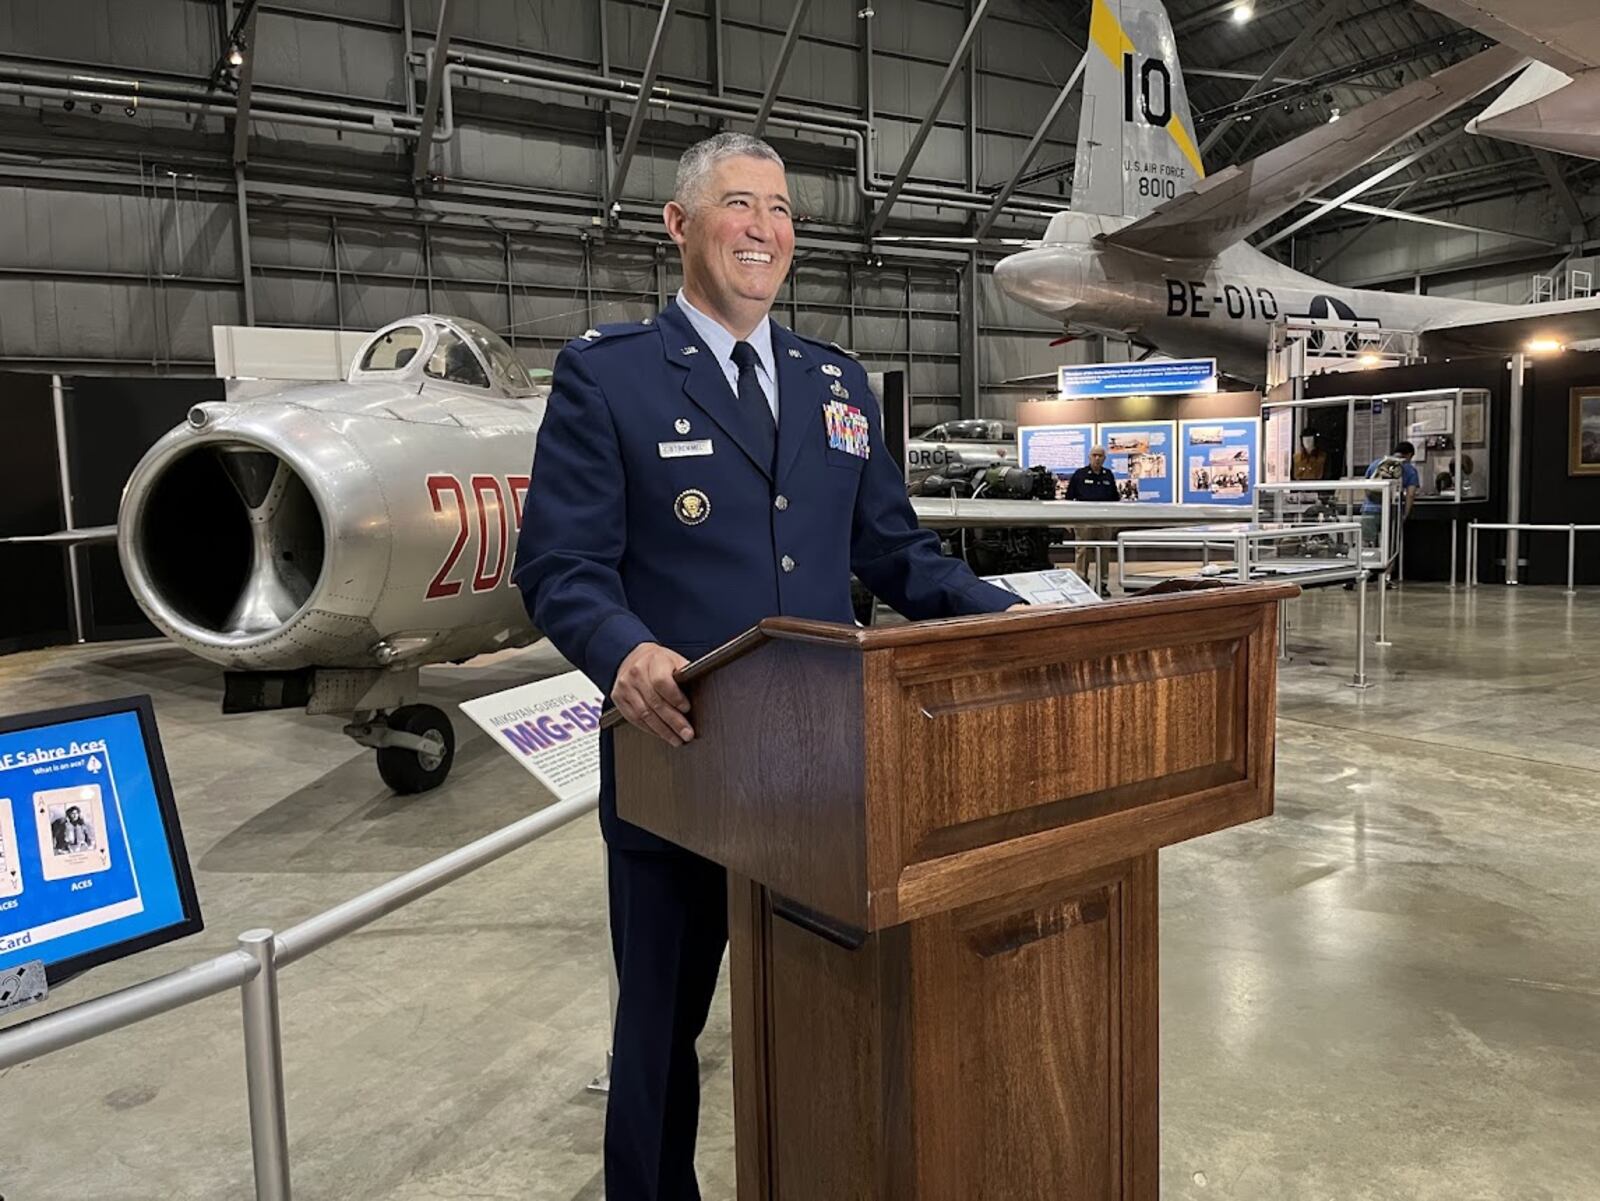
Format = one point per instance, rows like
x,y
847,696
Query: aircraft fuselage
x,y
1221,308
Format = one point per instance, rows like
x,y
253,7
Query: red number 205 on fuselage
x,y
488,507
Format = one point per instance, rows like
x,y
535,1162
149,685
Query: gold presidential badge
x,y
692,506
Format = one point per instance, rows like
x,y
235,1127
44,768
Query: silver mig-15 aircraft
x,y
1153,249
324,542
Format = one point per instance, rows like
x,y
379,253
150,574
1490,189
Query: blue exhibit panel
x,y
1061,448
86,858
1221,461
1157,377
1141,454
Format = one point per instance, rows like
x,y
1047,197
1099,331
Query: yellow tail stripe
x,y
1106,32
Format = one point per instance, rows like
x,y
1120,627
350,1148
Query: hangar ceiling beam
x,y
1350,193
647,83
247,70
423,156
1313,30
1004,194
436,88
1563,194
1365,227
790,37
957,61
236,37
1439,223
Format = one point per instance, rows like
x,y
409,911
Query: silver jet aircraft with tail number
x,y
1153,249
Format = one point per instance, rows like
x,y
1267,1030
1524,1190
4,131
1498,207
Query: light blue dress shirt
x,y
721,343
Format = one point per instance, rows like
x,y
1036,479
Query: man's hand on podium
x,y
646,694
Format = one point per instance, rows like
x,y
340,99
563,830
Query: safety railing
x,y
253,969
1571,531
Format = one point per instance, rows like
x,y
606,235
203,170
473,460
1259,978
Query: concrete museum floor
x,y
1391,989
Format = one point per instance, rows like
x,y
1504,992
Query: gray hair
x,y
1097,449
698,161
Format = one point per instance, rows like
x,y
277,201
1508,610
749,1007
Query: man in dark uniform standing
x,y
1093,482
696,472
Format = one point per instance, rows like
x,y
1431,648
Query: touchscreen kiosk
x,y
92,864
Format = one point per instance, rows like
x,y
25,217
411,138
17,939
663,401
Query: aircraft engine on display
x,y
324,542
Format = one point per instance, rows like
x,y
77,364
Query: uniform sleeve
x,y
573,530
898,559
1075,485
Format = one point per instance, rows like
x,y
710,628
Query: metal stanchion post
x,y
602,1082
1454,533
1472,554
1100,567
1360,680
1572,560
1383,609
263,1067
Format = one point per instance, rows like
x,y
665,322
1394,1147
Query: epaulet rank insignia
x,y
612,331
833,346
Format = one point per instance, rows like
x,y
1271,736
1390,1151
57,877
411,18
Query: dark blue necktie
x,y
754,402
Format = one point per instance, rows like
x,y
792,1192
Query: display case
x,y
1236,552
1372,504
1339,436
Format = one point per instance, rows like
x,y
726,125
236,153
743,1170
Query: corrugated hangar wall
x,y
120,238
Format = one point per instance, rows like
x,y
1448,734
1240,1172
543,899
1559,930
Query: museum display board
x,y
1142,455
1219,461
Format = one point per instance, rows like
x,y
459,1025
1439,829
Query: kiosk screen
x,y
92,863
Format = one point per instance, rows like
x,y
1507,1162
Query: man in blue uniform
x,y
1097,483
696,472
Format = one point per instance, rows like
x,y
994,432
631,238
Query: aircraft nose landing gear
x,y
416,745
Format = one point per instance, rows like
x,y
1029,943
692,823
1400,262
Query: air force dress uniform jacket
x,y
654,515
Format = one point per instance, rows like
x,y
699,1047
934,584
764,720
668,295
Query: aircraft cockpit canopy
x,y
510,376
451,349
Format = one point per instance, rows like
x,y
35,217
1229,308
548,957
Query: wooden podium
x,y
941,843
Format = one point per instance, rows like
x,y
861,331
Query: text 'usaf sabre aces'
x,y
324,542
1154,249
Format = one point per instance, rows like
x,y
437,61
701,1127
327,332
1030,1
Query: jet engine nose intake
x,y
228,539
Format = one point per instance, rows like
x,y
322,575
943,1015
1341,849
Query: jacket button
x,y
781,503
786,563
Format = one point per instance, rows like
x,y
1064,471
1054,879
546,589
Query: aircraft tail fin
x,y
1136,144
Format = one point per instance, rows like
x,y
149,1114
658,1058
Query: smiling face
x,y
737,241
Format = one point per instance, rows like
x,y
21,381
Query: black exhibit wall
x,y
1554,496
35,600
1428,533
111,422
1550,495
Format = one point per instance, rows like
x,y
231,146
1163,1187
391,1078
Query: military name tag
x,y
684,450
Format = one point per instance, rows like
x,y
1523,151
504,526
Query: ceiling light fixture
x,y
236,55
1242,13
1543,346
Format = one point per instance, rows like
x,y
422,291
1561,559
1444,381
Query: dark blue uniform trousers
x,y
669,926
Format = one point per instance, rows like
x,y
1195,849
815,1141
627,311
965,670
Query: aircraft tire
x,y
408,771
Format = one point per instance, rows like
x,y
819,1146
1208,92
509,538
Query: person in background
x,y
1396,465
1310,461
1094,482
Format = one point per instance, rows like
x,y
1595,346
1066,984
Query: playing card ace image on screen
x,y
92,862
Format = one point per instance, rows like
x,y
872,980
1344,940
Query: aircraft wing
x,y
1564,35
1229,206
1564,321
84,537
